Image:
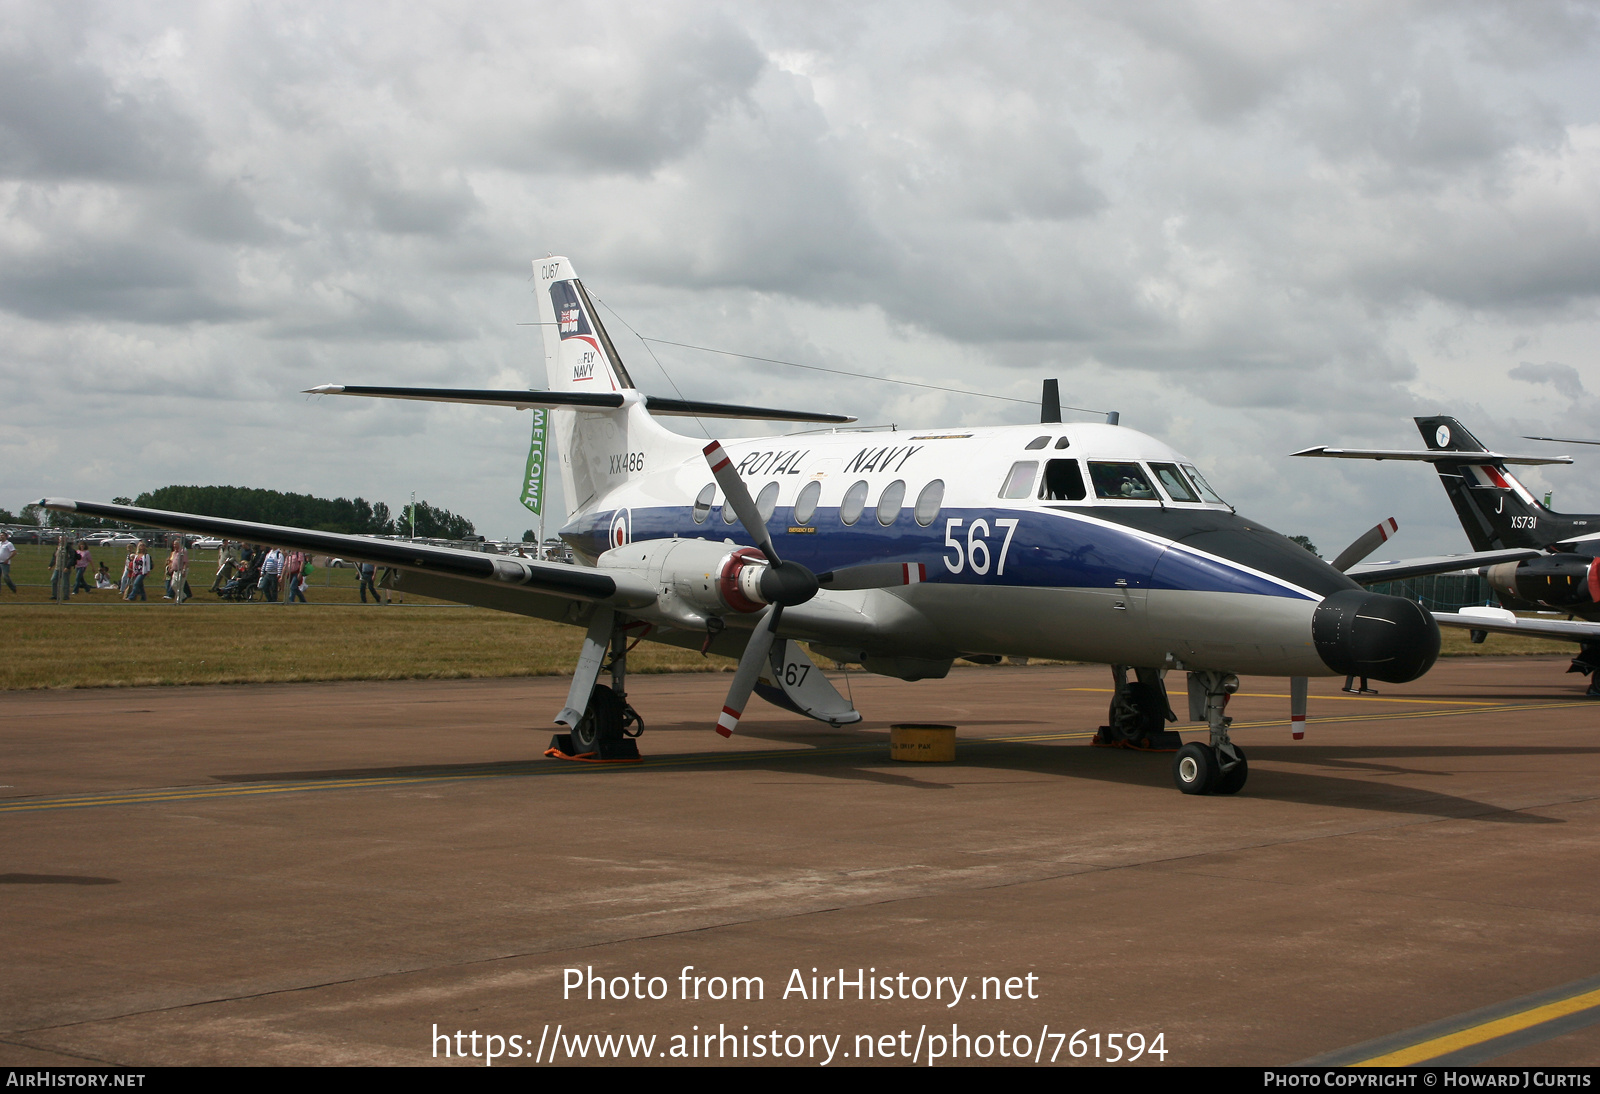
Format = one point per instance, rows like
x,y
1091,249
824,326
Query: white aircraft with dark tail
x,y
1548,562
897,551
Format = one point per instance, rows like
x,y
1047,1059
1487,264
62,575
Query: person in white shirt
x,y
270,569
7,549
177,569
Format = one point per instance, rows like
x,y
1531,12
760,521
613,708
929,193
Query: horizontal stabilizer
x,y
556,578
522,400
1437,455
1435,564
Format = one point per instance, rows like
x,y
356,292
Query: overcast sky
x,y
1248,227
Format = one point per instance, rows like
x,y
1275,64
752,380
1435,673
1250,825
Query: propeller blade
x,y
750,666
736,494
1366,544
874,575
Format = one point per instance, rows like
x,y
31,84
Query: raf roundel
x,y
619,529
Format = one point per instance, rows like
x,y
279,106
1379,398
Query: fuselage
x,y
1069,541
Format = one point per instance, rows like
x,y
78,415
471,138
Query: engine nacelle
x,y
696,578
1554,581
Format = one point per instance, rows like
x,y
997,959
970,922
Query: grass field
x,y
98,640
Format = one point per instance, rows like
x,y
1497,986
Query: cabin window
x,y
855,500
928,502
1173,482
702,504
1062,442
891,501
1019,481
767,501
728,515
1121,482
805,506
1202,485
1037,442
1063,481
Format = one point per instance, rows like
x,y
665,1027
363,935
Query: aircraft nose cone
x,y
1387,638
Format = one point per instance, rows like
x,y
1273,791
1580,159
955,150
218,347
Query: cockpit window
x,y
1037,442
1121,482
1063,481
1019,482
1173,482
1202,485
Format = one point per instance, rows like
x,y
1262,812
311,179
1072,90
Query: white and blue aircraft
x,y
896,551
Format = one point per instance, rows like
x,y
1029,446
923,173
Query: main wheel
x,y
602,721
1195,768
1232,780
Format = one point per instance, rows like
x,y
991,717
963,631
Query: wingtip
x,y
324,389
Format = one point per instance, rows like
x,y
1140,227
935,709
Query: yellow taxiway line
x,y
1486,1031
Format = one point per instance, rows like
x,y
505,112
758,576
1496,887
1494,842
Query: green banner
x,y
533,477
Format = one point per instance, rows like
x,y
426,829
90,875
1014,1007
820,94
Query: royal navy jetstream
x,y
1550,563
896,551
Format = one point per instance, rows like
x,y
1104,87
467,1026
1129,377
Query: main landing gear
x,y
1220,766
607,726
1139,713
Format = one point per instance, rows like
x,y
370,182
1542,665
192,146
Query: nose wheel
x,y
1218,767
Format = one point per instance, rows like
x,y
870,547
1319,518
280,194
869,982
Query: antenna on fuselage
x,y
1050,403
1113,418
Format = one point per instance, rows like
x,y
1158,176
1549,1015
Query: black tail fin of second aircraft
x,y
1496,510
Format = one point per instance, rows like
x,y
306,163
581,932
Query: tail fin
x,y
1496,511
579,355
598,449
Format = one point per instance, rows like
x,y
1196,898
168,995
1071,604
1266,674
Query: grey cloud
x,y
630,103
61,118
1564,378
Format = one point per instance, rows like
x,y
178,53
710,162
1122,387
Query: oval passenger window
x,y
855,500
928,502
702,504
805,506
891,501
767,501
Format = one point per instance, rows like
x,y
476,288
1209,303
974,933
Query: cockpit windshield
x,y
1206,493
1173,482
1121,481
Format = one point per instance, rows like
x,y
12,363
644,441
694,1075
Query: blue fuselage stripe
x,y
1046,550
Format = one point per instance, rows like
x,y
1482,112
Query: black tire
x,y
1232,780
1148,706
1195,769
601,724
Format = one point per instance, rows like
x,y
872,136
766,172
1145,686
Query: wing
x,y
453,574
1435,564
1503,622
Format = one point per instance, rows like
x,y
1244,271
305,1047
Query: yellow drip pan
x,y
921,742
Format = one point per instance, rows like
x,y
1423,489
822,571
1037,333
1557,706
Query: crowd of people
x,y
244,572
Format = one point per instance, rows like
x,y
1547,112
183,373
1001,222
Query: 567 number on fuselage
x,y
976,556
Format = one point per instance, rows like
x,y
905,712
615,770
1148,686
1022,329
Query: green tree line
x,y
350,515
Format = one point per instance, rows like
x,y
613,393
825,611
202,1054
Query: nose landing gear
x,y
1218,767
